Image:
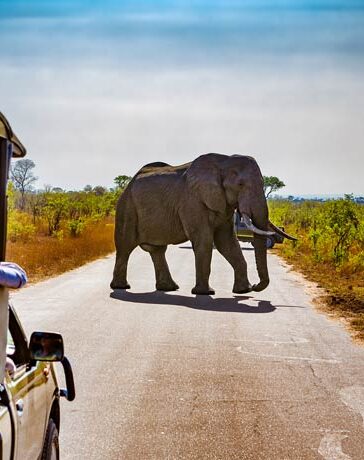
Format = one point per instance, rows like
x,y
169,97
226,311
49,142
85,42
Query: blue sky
x,y
97,89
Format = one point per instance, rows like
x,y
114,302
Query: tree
x,y
122,181
342,220
35,203
272,184
54,210
23,178
99,190
87,188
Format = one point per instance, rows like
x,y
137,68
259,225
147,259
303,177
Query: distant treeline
x,y
52,230
300,199
52,211
56,213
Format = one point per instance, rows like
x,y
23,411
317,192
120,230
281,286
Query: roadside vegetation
x,y
329,250
52,230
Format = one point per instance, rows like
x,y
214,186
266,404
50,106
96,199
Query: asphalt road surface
x,y
175,376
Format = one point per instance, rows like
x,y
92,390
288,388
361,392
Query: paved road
x,y
172,376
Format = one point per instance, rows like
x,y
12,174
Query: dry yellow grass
x,y
44,256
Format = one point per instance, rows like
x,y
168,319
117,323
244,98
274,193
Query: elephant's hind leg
x,y
125,240
164,280
119,280
203,254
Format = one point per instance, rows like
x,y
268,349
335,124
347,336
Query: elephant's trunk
x,y
258,212
260,248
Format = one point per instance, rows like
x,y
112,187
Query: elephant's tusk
x,y
250,226
281,232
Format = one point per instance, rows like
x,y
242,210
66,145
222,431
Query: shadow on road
x,y
243,248
199,302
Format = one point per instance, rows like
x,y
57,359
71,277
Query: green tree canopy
x,y
99,190
122,181
272,184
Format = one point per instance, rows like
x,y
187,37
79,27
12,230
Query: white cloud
x,y
95,96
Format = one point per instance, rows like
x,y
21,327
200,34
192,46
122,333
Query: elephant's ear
x,y
204,180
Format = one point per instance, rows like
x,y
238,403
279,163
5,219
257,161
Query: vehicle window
x,y
12,352
17,344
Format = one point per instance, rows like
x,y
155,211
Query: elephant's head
x,y
225,183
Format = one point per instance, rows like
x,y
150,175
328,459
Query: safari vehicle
x,y
247,236
29,389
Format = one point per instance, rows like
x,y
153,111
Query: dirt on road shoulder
x,y
338,296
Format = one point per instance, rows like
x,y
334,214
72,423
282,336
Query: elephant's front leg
x,y
228,245
203,254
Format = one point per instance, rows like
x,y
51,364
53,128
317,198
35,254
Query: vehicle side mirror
x,y
46,346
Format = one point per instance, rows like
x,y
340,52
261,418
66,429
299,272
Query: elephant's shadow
x,y
198,302
243,248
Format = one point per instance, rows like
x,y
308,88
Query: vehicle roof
x,y
6,132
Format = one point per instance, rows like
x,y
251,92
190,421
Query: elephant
x,y
166,204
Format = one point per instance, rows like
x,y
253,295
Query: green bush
x,y
341,220
56,213
331,231
76,227
20,226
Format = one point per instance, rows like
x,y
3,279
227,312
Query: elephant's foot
x,y
166,286
202,290
119,285
260,286
240,288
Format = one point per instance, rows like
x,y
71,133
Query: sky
x,y
95,89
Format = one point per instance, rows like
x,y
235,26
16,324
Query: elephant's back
x,y
161,168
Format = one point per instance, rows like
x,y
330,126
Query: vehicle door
x,y
6,434
27,386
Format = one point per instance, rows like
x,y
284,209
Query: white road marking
x,y
274,342
354,398
299,358
330,447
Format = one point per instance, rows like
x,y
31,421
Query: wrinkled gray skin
x,y
166,204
